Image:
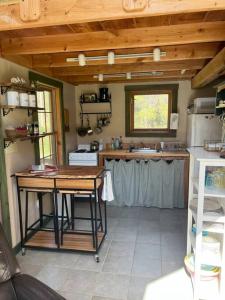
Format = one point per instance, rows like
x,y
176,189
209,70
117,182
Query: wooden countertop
x,y
64,172
125,154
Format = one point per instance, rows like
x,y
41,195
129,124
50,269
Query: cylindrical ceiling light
x,y
111,58
82,59
128,75
100,77
156,54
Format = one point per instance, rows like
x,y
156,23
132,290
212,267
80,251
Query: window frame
x,y
57,88
49,135
130,91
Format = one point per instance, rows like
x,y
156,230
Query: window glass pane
x,y
41,148
40,99
41,122
47,146
151,111
49,125
48,107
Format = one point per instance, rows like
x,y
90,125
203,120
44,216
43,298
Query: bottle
x,y
36,128
117,143
113,144
120,143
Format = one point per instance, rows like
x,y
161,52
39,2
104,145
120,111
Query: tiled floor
x,y
142,259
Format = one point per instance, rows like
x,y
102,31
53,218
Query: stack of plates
x,y
207,272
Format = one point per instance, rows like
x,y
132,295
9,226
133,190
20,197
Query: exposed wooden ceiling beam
x,y
179,52
139,67
127,38
211,71
166,74
140,79
58,12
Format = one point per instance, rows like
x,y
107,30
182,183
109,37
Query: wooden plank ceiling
x,y
190,40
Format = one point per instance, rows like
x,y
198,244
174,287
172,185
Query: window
x,y
148,110
45,121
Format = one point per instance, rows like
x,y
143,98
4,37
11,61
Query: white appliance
x,y
83,156
203,105
202,127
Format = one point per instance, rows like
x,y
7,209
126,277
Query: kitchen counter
x,y
125,154
167,155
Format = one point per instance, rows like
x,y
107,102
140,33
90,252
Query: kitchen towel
x,y
107,191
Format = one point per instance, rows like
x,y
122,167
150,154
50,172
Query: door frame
x,y
57,86
4,200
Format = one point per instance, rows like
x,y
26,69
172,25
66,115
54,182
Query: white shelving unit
x,y
212,223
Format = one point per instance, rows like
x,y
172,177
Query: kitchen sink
x,y
144,150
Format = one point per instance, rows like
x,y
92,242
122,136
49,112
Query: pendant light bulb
x,y
82,59
100,77
156,54
128,75
111,58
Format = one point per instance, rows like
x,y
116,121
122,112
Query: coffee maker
x,y
104,94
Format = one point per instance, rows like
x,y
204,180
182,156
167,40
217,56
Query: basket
x,y
11,133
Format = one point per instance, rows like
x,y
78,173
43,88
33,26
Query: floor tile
x,y
149,237
172,253
104,298
87,261
130,212
149,214
118,264
54,277
124,236
30,269
146,267
121,249
80,281
115,286
169,267
147,250
74,296
137,287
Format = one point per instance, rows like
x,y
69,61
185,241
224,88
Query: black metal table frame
x,y
54,193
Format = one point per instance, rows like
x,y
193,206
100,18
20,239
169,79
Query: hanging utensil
x,y
89,129
82,130
98,129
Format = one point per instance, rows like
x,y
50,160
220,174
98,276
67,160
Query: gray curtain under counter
x,y
148,183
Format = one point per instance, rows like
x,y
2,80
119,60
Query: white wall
x,y
21,154
117,126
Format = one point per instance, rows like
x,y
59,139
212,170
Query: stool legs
x,y
40,208
62,220
26,215
72,199
92,221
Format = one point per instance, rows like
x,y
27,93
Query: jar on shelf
x,y
24,99
32,99
12,97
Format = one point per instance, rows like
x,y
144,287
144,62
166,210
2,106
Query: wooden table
x,y
67,180
166,155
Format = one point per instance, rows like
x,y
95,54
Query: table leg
x,y
20,214
40,198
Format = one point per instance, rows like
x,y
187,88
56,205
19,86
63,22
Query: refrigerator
x,y
203,127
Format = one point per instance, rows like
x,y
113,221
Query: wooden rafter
x,y
91,79
58,12
127,38
173,53
211,71
139,67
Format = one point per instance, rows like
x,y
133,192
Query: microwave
x,y
205,105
